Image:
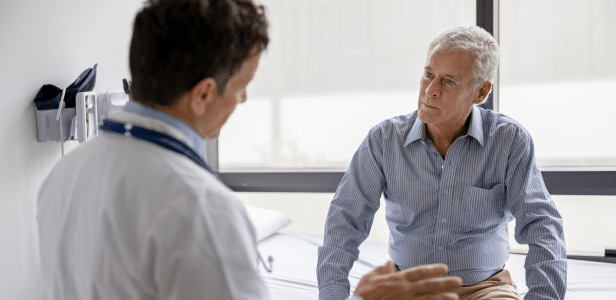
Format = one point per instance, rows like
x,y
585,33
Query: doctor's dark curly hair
x,y
178,43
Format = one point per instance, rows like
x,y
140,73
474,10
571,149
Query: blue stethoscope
x,y
173,144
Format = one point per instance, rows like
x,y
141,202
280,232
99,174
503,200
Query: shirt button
x,y
444,220
440,247
446,192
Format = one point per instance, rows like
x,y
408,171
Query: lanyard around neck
x,y
158,138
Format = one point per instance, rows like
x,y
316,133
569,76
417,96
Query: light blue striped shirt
x,y
196,142
453,210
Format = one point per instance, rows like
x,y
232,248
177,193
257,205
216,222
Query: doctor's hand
x,y
418,283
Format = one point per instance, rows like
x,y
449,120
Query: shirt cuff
x,y
335,293
355,298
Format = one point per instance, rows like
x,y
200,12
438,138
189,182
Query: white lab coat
x,y
122,218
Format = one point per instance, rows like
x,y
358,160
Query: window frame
x,y
558,180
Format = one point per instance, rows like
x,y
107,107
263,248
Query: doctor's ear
x,y
203,95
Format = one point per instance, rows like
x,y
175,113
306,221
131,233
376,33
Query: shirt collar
x,y
417,132
475,128
194,139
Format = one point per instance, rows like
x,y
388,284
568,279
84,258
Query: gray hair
x,y
480,43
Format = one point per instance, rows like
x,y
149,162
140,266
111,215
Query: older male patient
x,y
452,175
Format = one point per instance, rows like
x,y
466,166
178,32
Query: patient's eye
x,y
448,81
428,74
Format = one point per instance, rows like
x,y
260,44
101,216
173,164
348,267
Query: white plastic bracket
x,y
86,116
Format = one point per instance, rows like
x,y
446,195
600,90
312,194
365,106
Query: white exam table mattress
x,y
295,260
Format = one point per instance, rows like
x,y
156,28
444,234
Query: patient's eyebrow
x,y
453,77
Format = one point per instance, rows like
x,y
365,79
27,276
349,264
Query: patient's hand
x,y
385,282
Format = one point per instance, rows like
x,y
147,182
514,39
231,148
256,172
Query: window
x,y
586,220
558,78
335,68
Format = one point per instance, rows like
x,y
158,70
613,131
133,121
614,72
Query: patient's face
x,y
445,97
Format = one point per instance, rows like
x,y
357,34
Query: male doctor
x,y
136,213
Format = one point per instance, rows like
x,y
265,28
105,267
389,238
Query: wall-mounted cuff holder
x,y
48,127
75,123
86,116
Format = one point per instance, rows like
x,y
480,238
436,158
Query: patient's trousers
x,y
499,286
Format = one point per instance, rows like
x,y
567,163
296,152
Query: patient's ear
x,y
482,92
203,95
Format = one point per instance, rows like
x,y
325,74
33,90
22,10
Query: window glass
x,y
333,69
308,212
558,77
587,222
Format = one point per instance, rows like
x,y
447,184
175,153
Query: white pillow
x,y
265,221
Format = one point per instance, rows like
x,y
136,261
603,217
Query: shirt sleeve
x,y
350,218
538,223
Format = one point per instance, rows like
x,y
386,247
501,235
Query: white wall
x,y
45,42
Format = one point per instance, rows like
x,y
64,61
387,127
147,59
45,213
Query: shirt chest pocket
x,y
482,209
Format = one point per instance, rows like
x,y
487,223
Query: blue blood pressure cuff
x,y
49,96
